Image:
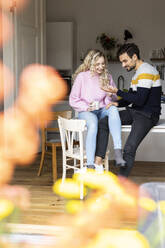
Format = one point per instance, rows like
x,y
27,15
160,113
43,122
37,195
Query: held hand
x,y
91,107
110,89
111,104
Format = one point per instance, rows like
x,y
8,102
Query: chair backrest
x,y
52,126
54,117
71,130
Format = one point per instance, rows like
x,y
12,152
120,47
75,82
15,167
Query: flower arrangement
x,y
109,44
98,220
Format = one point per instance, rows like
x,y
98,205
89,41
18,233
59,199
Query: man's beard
x,y
131,68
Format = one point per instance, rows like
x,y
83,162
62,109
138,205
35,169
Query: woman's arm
x,y
76,96
111,97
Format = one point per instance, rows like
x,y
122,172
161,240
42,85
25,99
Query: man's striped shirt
x,y
145,91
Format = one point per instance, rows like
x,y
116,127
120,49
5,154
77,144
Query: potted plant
x,y
109,44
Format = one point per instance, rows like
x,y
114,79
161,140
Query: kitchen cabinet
x,y
152,147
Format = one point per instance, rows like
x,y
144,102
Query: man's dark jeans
x,y
141,125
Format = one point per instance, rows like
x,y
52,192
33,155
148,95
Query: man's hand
x,y
110,89
112,104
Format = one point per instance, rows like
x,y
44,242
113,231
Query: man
x,y
144,101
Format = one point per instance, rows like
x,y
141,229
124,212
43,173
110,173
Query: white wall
x,y
145,20
59,38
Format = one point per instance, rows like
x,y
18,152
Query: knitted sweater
x,y
86,89
145,91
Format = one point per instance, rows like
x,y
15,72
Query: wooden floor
x,y
44,203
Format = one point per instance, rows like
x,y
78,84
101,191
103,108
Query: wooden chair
x,y
50,137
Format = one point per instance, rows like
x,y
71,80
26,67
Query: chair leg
x,y
74,164
63,168
81,184
41,163
54,163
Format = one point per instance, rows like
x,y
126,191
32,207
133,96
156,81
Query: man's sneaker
x,y
99,168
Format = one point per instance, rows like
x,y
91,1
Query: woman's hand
x,y
90,109
110,89
112,104
93,106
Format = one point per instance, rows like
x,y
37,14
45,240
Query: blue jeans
x,y
92,118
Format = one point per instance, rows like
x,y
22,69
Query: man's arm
x,y
123,103
136,97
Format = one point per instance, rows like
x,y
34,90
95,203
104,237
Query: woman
x,y
92,103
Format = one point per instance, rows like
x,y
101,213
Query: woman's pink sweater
x,y
86,89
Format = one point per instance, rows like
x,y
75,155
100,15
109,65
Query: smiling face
x,y
127,62
99,65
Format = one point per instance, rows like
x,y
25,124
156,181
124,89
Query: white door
x,y
27,45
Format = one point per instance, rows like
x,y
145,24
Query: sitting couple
x,y
94,97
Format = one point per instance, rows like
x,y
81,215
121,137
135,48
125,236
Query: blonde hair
x,y
89,63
